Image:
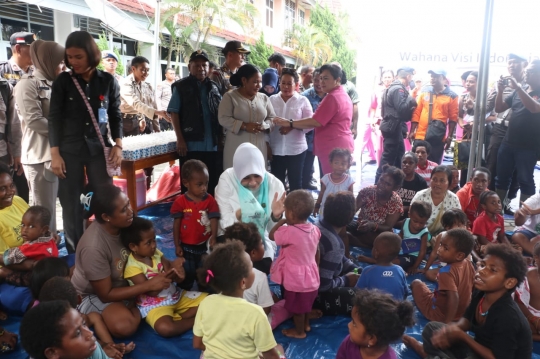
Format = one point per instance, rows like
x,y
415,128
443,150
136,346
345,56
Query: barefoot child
x,y
296,267
489,226
384,274
452,293
171,311
38,244
226,325
451,219
196,216
527,220
377,320
336,181
56,330
60,288
527,295
500,329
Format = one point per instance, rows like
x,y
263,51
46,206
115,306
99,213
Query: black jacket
x,y
70,124
397,103
191,111
397,107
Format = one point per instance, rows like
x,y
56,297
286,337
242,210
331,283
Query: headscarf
x,y
46,56
248,160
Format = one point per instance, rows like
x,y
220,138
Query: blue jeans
x,y
511,158
291,165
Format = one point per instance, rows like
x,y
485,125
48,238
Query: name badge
x,y
103,116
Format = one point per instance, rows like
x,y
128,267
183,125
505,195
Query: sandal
x,y
8,341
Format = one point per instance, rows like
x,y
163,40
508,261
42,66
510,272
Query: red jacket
x,y
469,203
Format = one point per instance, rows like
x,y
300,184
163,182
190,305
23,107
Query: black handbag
x,y
436,129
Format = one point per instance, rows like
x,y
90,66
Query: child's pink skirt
x,y
299,303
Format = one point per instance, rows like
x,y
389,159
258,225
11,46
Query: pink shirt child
x,y
295,267
335,116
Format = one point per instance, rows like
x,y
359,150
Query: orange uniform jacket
x,y
445,107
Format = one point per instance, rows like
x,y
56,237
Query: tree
x,y
309,45
190,22
338,33
260,52
103,44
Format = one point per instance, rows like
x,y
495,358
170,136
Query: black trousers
x,y
307,169
493,149
213,160
437,150
393,151
71,188
20,182
337,301
292,166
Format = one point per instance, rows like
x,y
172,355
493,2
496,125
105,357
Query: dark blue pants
x,y
393,151
290,165
512,158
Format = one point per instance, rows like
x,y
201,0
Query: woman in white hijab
x,y
32,96
247,193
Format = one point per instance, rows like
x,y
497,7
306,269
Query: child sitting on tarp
x,y
527,295
38,244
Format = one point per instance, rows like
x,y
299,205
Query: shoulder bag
x,y
112,169
436,129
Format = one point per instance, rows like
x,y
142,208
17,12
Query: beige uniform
x,y
32,97
222,78
163,95
139,99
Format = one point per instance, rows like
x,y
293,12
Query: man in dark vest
x,y
194,109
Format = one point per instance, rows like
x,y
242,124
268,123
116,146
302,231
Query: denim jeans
x,y
512,158
293,166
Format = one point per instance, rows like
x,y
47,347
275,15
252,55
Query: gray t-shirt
x,y
99,255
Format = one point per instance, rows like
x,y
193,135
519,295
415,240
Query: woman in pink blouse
x,y
332,120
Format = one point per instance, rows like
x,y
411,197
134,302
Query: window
x,y
301,16
290,13
270,13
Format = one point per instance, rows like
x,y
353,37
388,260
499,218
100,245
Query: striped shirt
x,y
425,173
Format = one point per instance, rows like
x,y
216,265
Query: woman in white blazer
x,y
32,97
248,193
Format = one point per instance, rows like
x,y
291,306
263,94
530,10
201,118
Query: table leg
x,y
131,183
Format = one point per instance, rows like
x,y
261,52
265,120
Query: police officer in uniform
x,y
138,104
12,70
234,53
397,108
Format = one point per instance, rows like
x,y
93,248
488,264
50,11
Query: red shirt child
x,y
489,226
195,218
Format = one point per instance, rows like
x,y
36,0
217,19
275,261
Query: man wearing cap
x,y
396,109
516,68
521,146
163,97
20,62
109,60
194,109
437,109
234,53
12,70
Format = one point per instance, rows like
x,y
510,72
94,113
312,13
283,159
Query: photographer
x,y
520,147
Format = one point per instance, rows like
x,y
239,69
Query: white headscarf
x,y
248,160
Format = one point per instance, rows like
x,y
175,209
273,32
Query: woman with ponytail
x,y
226,325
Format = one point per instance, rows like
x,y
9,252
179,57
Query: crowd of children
x,y
214,289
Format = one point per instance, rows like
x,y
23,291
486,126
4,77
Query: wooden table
x,y
128,172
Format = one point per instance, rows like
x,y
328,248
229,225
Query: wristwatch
x,y
290,122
